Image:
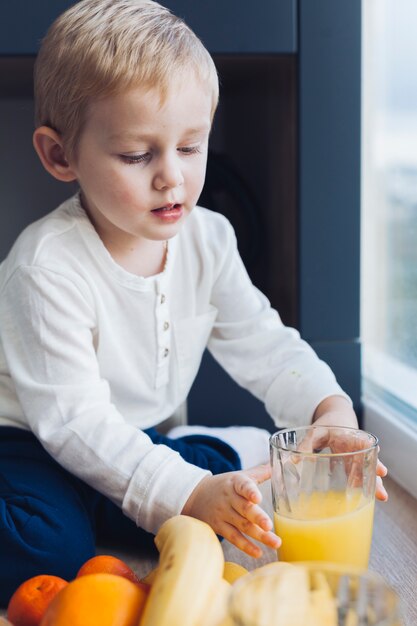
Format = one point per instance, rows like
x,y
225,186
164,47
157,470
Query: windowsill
x,y
391,375
397,438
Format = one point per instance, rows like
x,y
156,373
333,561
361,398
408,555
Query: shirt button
x,y
166,351
166,325
162,298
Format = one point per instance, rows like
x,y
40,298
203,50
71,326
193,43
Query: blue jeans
x,y
50,520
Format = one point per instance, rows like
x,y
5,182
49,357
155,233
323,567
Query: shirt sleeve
x,y
262,354
49,335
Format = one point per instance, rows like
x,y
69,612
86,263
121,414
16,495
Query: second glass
x,y
313,594
323,491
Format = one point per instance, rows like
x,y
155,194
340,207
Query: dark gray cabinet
x,y
329,184
241,26
226,26
23,24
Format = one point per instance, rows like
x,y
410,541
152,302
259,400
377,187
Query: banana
x,y
277,568
217,610
233,571
190,566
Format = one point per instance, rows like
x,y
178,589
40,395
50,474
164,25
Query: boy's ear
x,y
49,147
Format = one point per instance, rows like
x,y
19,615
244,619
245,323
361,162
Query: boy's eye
x,y
190,150
131,159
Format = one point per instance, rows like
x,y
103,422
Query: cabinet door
x,y
233,26
23,24
329,184
229,26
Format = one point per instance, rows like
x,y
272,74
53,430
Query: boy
x,y
107,304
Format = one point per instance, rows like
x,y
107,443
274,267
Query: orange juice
x,y
327,526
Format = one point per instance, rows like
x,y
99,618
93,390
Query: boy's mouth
x,y
169,211
168,208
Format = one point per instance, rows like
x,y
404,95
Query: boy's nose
x,y
169,175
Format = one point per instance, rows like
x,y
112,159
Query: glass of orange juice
x,y
323,492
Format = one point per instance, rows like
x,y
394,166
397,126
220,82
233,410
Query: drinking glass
x,y
313,594
323,492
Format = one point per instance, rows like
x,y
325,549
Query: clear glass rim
x,y
274,442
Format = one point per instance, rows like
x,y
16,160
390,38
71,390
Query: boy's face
x,y
140,165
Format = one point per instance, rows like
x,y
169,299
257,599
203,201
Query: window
x,y
389,230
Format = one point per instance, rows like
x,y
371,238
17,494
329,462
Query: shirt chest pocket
x,y
191,336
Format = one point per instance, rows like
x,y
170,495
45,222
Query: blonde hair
x,y
99,48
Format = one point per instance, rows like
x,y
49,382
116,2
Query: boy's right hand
x,y
229,503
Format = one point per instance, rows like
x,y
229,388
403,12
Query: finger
x,y
238,539
246,482
259,473
247,488
380,491
354,471
348,440
251,512
246,527
316,438
381,469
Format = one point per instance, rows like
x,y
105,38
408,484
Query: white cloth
x,y
90,354
251,443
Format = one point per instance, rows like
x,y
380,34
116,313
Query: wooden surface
x,y
394,547
393,554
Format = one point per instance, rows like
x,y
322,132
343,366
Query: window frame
x,y
397,438
384,412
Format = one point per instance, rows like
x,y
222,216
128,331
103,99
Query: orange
x,y
107,564
30,600
97,600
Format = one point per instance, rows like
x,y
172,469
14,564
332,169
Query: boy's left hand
x,y
336,411
381,472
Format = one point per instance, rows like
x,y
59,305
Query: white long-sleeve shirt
x,y
90,354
